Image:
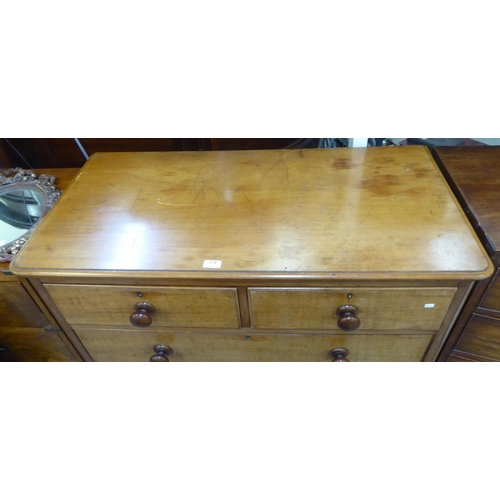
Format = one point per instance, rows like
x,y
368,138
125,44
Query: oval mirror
x,y
24,200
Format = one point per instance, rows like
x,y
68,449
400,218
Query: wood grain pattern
x,y
175,306
131,346
378,309
481,336
361,218
475,174
357,213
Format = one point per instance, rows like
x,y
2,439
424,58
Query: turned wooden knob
x,y
142,316
340,354
162,351
348,320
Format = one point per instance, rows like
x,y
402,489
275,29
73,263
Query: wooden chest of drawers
x,y
283,255
473,173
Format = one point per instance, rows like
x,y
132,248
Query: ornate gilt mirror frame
x,y
18,178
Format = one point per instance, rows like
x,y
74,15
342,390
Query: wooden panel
x,y
175,306
33,345
481,337
474,172
491,299
358,213
227,144
4,160
378,309
134,346
454,358
17,308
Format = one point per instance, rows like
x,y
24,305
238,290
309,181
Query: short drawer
x,y
491,298
481,336
380,309
185,307
126,345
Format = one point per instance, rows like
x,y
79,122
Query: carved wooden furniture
x,y
474,175
28,331
282,255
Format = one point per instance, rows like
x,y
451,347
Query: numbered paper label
x,y
212,264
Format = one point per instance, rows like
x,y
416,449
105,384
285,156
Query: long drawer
x,y
126,345
184,307
380,309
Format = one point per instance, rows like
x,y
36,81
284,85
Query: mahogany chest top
x,y
361,213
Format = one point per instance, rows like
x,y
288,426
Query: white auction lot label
x,y
212,264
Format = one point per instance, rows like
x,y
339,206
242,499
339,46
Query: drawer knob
x,y
162,351
142,316
348,320
340,354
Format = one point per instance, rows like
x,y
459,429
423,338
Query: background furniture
x,y
280,255
28,332
55,153
474,175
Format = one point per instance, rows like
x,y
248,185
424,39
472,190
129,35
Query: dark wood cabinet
x,y
473,173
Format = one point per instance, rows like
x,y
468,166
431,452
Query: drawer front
x,y
491,298
187,307
383,309
481,336
33,345
17,308
126,345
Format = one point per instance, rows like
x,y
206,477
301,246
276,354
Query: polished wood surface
x,y
173,306
366,213
475,174
116,345
377,309
256,256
